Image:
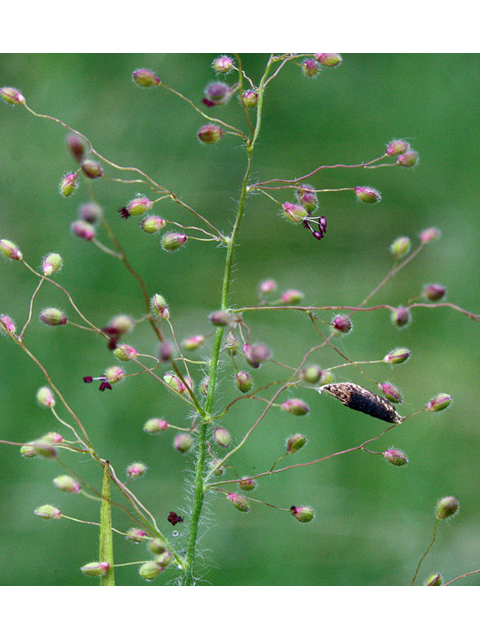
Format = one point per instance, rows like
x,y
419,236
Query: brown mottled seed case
x,y
360,399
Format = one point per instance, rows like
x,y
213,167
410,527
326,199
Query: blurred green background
x,y
373,521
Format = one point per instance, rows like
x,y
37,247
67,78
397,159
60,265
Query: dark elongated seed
x,y
359,399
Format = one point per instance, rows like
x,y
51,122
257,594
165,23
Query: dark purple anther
x,y
114,336
174,518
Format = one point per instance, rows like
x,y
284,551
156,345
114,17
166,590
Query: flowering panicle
x,y
229,340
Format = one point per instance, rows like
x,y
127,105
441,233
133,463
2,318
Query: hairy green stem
x,y
188,576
